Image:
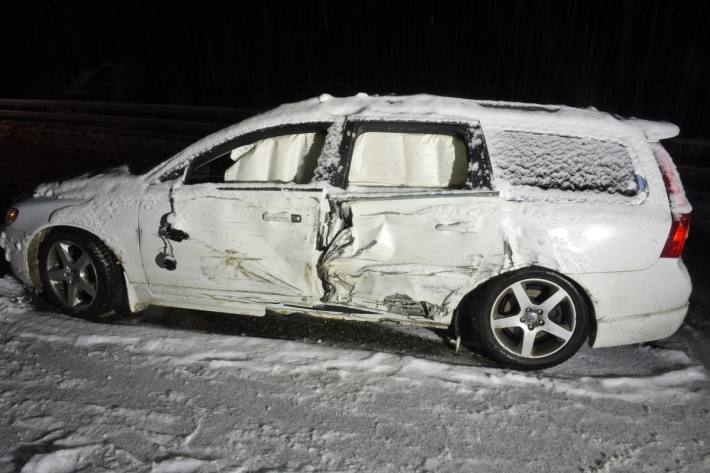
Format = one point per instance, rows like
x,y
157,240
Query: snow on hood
x,y
88,186
97,202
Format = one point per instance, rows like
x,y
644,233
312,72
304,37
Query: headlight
x,y
11,215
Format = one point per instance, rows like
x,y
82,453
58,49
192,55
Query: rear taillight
x,y
679,205
677,236
11,216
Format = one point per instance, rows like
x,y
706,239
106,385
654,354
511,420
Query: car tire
x,y
80,275
530,319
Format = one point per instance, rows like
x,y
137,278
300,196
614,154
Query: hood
x,y
88,186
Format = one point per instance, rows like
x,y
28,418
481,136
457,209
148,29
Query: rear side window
x,y
280,159
403,159
562,162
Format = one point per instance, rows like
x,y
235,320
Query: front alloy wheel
x,y
80,275
71,274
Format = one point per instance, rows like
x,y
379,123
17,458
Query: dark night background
x,y
647,59
185,390
642,58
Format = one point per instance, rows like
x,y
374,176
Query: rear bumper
x,y
623,330
638,306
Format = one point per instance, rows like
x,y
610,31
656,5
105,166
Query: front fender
x,y
20,240
113,220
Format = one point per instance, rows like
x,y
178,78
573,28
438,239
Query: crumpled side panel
x,y
414,257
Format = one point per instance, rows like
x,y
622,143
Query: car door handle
x,y
458,227
281,217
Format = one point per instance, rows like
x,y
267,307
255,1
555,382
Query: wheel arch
x,y
40,235
469,298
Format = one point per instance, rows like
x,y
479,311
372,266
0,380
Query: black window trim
x,y
466,131
250,137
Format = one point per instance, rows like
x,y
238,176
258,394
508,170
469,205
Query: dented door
x,y
420,226
242,245
413,255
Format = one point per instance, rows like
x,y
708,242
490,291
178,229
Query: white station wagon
x,y
524,229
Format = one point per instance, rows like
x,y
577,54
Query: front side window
x,y
289,158
403,159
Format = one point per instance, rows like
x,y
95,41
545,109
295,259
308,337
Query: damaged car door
x,y
420,223
243,223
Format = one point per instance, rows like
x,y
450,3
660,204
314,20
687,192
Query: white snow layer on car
x,y
115,181
86,396
654,131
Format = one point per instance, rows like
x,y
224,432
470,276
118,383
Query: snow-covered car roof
x,y
510,115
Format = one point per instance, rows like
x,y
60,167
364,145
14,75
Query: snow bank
x,y
179,465
62,461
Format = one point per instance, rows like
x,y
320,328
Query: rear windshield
x,y
564,163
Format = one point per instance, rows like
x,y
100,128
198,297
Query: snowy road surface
x,y
147,395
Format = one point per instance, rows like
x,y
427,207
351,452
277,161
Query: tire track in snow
x,y
682,384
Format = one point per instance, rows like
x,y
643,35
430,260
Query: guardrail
x,y
691,155
172,117
135,116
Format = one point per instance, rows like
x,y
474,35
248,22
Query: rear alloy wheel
x,y
532,319
79,274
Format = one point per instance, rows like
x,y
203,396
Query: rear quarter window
x,y
565,163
